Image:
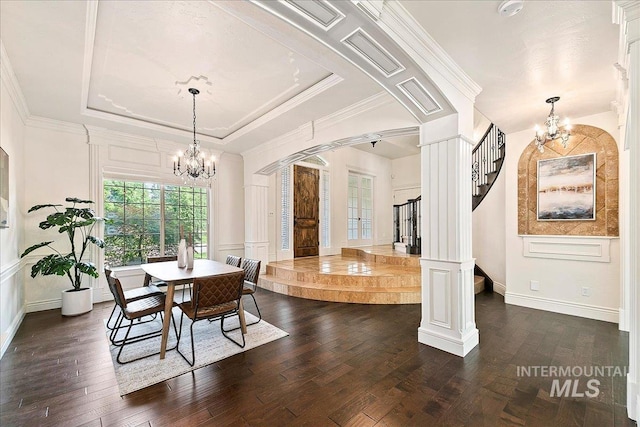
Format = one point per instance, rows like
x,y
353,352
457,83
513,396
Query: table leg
x,y
166,323
243,322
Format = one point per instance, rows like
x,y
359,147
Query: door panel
x,y
306,196
360,210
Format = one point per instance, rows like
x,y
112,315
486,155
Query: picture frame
x,y
4,189
567,188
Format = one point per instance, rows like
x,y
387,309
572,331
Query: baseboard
x,y
11,331
623,320
499,288
49,304
458,347
563,307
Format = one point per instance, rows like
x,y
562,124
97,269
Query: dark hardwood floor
x,y
342,364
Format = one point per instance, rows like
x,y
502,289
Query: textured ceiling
x,y
550,48
126,65
143,71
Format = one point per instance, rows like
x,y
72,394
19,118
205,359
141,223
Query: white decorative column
x,y
256,212
630,42
448,312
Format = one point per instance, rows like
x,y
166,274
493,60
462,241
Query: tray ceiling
x,y
147,54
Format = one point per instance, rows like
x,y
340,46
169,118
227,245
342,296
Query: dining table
x,y
173,276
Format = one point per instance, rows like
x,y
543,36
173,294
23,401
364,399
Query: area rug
x,y
211,346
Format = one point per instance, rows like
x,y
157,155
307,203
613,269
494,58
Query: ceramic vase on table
x,y
182,250
189,253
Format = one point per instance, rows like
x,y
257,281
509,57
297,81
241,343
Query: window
x,y
326,210
285,207
145,219
360,207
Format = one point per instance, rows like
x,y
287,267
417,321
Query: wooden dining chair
x,y
131,311
251,269
214,297
234,260
130,295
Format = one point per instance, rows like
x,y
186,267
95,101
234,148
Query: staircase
x,y
486,162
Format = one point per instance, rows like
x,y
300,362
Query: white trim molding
x,y
576,248
499,288
13,87
11,331
563,307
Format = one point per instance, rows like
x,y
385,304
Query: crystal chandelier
x,y
554,130
191,165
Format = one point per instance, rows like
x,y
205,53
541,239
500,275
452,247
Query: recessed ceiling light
x,y
510,7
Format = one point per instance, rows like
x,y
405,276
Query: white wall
x,y
560,280
58,167
228,204
11,279
405,172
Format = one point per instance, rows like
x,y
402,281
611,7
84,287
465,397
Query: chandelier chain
x,y
193,166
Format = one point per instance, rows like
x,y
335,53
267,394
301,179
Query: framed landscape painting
x,y
566,188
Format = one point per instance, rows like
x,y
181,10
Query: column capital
x,y
257,180
453,137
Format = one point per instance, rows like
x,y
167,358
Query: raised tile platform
x,y
371,275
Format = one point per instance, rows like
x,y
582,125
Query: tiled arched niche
x,y
584,139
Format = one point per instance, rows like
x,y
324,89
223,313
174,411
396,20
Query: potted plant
x,y
77,223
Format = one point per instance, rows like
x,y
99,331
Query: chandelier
x,y
554,130
191,165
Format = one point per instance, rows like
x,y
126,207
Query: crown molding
x,y
121,138
375,101
89,43
302,132
401,26
290,104
55,125
628,12
11,83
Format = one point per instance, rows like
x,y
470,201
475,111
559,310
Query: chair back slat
x,y
251,269
234,260
215,290
163,258
116,289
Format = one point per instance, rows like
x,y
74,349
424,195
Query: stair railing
x,y
486,161
406,224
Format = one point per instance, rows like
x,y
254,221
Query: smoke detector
x,y
510,7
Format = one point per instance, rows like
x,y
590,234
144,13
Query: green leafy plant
x,y
75,222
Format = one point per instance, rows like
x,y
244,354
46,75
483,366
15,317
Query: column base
x,y
459,347
633,399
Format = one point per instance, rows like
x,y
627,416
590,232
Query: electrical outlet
x,y
534,285
586,291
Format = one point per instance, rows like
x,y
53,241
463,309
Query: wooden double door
x,y
306,211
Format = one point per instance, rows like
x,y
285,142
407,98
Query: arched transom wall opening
x,y
340,143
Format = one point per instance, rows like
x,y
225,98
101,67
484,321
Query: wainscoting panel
x,y
440,298
592,249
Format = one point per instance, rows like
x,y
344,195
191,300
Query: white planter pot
x,y
77,302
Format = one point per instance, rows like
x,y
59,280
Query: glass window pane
x,y
135,229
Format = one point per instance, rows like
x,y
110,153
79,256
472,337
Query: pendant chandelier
x,y
191,165
554,130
